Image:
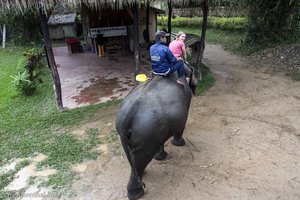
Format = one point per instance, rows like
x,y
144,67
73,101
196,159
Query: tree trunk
x,y
169,19
201,47
136,40
53,68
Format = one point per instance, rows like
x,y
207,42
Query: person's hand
x,y
179,58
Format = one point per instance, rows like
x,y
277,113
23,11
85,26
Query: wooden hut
x,y
62,23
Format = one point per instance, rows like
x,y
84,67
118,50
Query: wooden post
x,y
201,47
85,27
53,68
169,19
136,40
3,36
146,33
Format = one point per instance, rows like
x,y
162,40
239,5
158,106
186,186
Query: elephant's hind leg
x,y
162,154
135,187
178,139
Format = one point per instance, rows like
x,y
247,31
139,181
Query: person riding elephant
x,y
177,47
163,61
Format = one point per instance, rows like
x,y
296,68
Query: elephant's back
x,y
160,100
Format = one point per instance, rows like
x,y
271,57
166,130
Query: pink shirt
x,y
176,47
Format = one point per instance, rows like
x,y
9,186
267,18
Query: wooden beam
x,y
136,40
201,48
50,55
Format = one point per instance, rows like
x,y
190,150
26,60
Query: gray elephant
x,y
152,113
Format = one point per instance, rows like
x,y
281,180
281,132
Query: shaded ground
x,y
242,142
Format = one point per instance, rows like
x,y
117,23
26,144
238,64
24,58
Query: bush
x,y
231,23
26,76
23,83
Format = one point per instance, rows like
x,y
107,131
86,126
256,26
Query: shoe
x,y
180,82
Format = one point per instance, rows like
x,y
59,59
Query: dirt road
x,y
243,142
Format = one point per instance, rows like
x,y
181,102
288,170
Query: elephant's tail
x,y
127,146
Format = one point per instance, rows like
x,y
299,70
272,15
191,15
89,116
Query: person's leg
x,y
187,72
102,50
99,50
178,66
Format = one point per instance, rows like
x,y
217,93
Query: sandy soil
x,y
242,138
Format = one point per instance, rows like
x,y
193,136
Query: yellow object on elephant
x,y
141,77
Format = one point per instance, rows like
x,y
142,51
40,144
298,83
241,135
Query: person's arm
x,y
171,58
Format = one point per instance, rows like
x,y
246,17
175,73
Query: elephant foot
x,y
136,193
178,142
160,155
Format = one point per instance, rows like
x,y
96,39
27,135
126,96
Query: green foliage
x,y
273,21
26,77
23,83
23,27
232,23
206,82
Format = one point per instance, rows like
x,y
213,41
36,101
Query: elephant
x,y
147,117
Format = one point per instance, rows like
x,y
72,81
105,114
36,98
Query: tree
x,y
23,27
268,19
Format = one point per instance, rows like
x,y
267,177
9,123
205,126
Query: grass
x,y
31,125
206,82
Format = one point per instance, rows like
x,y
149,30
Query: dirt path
x,y
242,137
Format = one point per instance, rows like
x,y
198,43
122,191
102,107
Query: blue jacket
x,y
161,58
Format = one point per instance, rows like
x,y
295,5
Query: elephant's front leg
x,y
162,154
178,139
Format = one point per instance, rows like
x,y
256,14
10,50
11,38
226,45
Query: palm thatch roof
x,y
188,2
45,5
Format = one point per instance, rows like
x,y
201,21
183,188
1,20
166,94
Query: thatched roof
x,y
59,19
46,5
183,2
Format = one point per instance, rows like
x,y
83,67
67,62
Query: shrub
x,y
23,83
231,23
26,76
